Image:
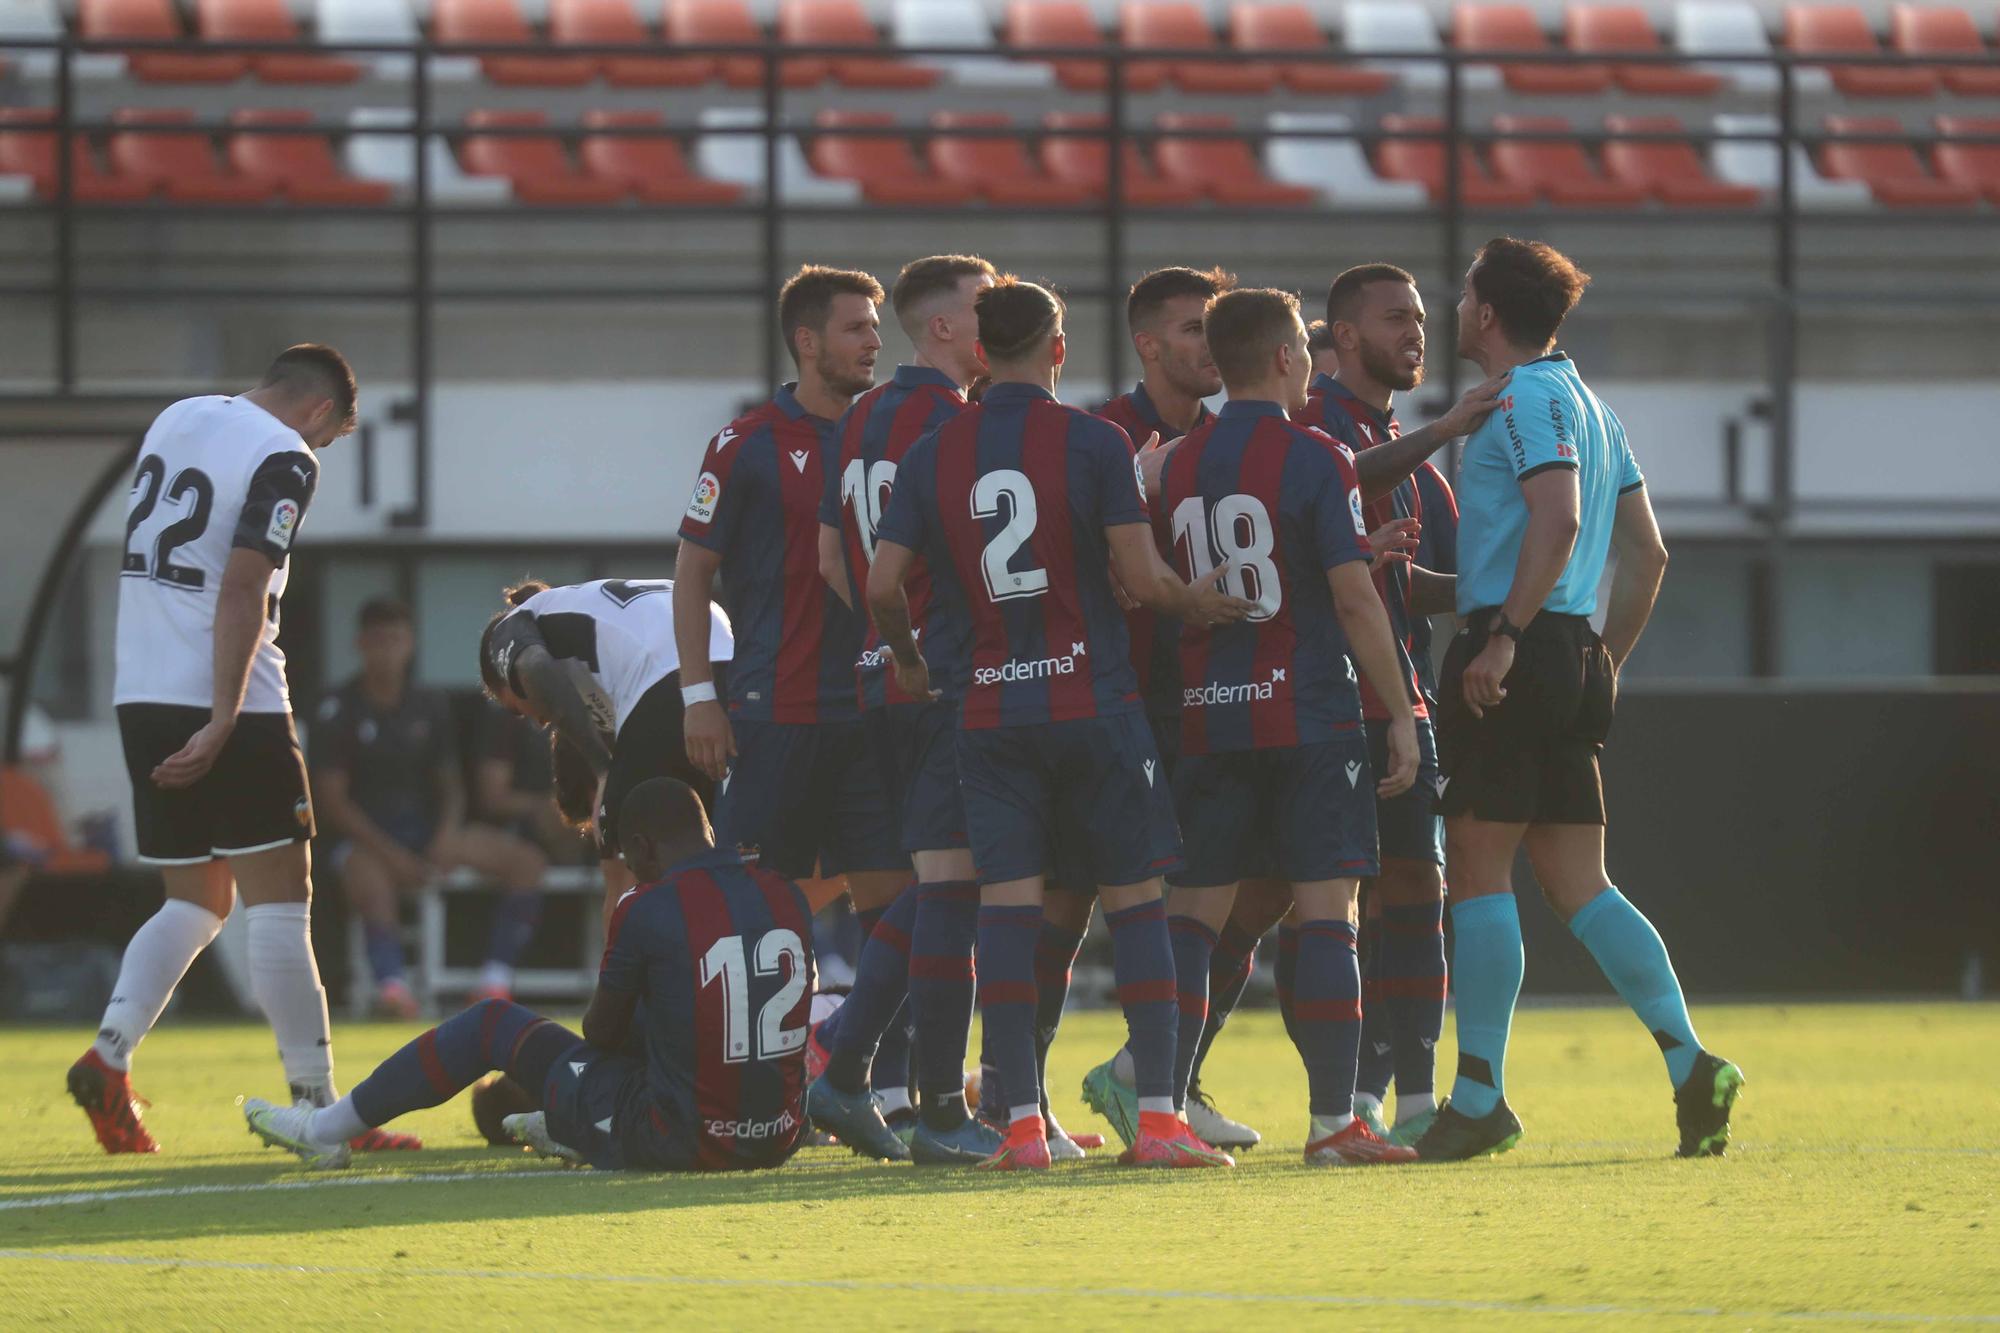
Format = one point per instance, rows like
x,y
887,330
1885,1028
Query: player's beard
x,y
1193,380
844,380
1389,368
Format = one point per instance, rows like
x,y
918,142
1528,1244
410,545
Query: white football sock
x,y
336,1123
893,1100
284,976
155,961
1410,1105
1364,1103
1325,1126
1122,1068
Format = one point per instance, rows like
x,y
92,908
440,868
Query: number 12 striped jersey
x,y
1280,504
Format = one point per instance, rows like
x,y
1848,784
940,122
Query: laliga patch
x,y
284,522
1354,507
1139,475
707,490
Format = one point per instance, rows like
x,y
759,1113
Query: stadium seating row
x,y
1193,159
1391,32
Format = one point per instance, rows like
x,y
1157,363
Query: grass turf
x,y
1863,1189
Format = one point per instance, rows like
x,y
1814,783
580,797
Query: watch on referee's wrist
x,y
1503,628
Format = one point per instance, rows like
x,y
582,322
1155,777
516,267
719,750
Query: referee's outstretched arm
x,y
1642,563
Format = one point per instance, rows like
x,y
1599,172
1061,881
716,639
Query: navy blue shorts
x,y
1409,825
599,1104
1167,740
809,797
1084,796
917,747
1301,814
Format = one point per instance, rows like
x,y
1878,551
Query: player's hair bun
x,y
525,589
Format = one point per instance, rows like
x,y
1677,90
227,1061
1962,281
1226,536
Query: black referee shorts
x,y
1533,758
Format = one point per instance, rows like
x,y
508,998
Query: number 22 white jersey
x,y
214,473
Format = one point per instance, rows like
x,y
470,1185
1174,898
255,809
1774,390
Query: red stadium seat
x,y
1087,162
1976,165
28,148
1514,28
1843,30
1559,170
1893,172
1223,169
300,167
886,168
615,23
1672,173
1032,23
536,165
155,20
996,168
1281,25
1943,30
730,23
269,21
1177,25
1423,161
651,166
842,23
179,164
499,23
1625,29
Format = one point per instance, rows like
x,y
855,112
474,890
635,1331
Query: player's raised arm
x,y
1136,564
1432,593
1387,466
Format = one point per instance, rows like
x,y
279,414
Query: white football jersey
x,y
214,473
616,638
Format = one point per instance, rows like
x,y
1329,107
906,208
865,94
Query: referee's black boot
x,y
1457,1137
1702,1104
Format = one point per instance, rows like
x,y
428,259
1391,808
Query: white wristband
x,y
701,693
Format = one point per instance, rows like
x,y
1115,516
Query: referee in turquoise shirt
x,y
1547,490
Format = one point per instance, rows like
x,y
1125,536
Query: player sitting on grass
x,y
721,954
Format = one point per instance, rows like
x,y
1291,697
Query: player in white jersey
x,y
599,663
219,796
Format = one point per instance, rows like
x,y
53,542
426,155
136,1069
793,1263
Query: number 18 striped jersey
x,y
1280,504
1008,502
214,473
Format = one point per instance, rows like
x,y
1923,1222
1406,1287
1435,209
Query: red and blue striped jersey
x,y
1009,502
720,955
1156,654
1331,407
1279,504
869,443
756,504
1437,551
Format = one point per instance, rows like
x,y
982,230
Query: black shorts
x,y
650,745
254,799
1408,824
916,744
1533,758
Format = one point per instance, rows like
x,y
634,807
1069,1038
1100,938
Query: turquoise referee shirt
x,y
1548,418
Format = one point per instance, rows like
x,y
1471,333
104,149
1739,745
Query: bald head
x,y
661,822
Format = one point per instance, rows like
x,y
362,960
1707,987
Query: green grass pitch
x,y
1863,1190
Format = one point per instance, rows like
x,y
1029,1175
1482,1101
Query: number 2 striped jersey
x,y
215,473
720,954
869,444
1280,505
1008,503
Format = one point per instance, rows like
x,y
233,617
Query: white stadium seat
x,y
963,23
1335,165
387,157
1394,27
740,158
1756,164
38,20
1735,28
387,21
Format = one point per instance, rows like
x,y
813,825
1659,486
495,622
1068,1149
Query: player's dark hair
x,y
317,370
489,670
806,300
1150,294
666,813
1319,337
386,611
1015,316
1343,298
924,278
1531,285
1245,326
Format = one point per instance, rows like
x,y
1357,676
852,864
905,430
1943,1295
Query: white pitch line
x,y
1439,1304
274,1187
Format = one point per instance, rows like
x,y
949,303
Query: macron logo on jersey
x,y
724,440
707,490
799,457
